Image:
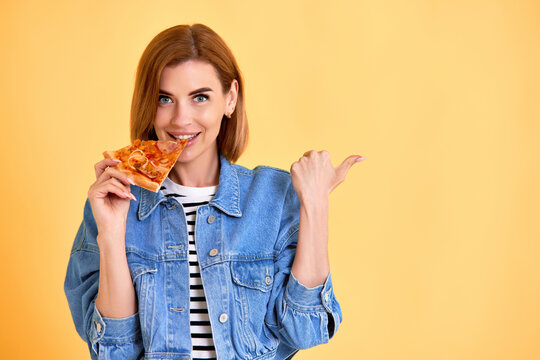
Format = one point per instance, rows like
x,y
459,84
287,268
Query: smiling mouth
x,y
184,137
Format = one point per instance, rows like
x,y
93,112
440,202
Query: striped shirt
x,y
199,322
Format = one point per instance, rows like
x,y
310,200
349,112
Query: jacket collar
x,y
227,198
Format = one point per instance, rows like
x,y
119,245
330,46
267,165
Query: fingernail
x,y
116,160
360,158
130,181
133,197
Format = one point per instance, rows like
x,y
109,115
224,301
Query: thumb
x,y
343,169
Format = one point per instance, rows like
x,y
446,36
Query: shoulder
x,y
265,180
263,172
272,184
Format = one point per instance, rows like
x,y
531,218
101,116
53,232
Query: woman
x,y
223,262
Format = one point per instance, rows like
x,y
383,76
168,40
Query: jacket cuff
x,y
302,298
113,331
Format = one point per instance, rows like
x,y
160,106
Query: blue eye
x,y
201,96
163,97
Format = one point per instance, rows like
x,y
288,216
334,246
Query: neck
x,y
200,173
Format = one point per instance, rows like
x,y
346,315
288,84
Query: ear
x,y
232,96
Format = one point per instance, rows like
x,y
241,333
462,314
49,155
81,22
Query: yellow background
x,y
433,239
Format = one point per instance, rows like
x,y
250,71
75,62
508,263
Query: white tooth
x,y
184,137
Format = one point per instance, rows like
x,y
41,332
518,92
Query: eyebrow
x,y
191,93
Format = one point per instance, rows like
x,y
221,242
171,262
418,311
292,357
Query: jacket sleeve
x,y
301,317
107,338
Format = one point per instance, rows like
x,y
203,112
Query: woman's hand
x,y
314,177
109,197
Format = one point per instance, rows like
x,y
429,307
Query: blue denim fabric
x,y
246,241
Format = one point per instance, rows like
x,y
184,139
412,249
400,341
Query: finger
x,y
99,187
126,194
111,172
121,186
343,169
124,189
103,164
360,158
307,153
109,187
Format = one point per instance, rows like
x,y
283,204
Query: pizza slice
x,y
148,162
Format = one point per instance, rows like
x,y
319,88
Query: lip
x,y
183,133
191,141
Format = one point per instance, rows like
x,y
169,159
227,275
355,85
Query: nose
x,y
182,116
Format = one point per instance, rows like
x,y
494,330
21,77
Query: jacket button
x,y
327,295
223,318
268,280
213,252
98,327
211,219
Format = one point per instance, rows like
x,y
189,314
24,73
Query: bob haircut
x,y
176,45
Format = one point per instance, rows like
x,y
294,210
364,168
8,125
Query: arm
x,y
313,178
116,295
311,265
303,309
113,337
300,316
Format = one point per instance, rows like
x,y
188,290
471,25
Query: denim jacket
x,y
246,241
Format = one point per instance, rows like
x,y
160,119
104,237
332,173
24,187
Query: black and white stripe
x,y
199,322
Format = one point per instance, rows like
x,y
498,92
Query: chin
x,y
185,156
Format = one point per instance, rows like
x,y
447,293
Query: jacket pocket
x,y
253,281
253,274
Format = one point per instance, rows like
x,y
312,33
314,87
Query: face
x,y
191,104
